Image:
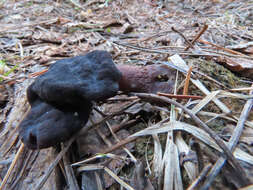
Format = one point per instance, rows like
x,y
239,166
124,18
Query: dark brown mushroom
x,y
61,98
46,125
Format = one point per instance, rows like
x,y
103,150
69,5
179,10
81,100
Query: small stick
x,y
119,144
193,97
182,35
197,37
38,73
6,177
220,47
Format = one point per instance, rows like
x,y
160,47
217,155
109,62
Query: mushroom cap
x,y
70,82
45,126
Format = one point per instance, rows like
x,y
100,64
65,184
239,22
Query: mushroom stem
x,y
149,79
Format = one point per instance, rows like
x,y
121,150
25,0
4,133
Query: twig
x,y
231,145
200,123
182,35
119,144
38,73
221,48
179,97
227,54
198,36
6,177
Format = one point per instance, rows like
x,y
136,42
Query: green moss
x,y
217,72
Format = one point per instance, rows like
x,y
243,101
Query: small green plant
x,y
2,65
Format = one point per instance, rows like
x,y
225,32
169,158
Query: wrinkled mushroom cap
x,y
70,82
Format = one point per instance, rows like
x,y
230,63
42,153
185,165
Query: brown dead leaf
x,y
241,66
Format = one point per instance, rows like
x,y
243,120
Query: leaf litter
x,y
157,32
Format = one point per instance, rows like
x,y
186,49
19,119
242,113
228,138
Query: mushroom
x,y
45,125
61,98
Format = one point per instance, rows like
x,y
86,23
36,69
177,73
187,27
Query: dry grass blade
x,y
200,123
201,176
121,182
92,167
178,176
231,145
157,158
169,168
196,132
180,63
168,161
221,105
234,95
179,97
113,156
190,167
241,89
233,118
204,102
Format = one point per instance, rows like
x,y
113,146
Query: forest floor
x,y
214,38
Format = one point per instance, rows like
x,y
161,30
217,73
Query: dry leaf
x,y
239,65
